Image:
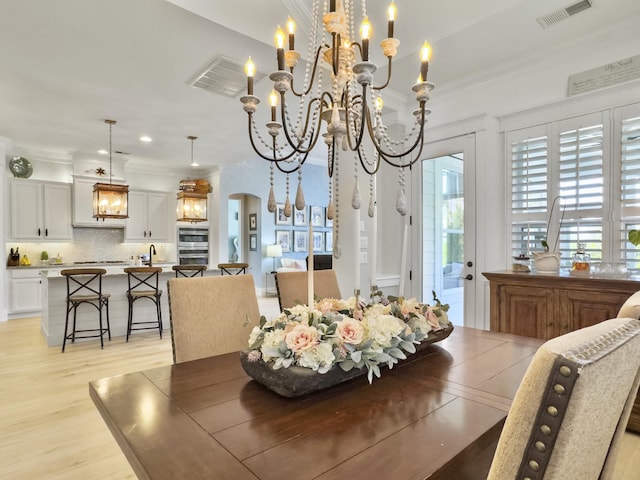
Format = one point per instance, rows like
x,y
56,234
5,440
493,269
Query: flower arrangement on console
x,y
347,334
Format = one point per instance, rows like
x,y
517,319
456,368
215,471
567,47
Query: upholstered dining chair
x,y
292,286
211,315
572,407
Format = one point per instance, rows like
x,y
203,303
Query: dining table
x,y
437,414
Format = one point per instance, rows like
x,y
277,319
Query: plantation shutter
x,y
629,138
528,151
582,184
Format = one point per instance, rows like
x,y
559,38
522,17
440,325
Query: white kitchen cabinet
x,y
148,217
40,211
24,288
83,206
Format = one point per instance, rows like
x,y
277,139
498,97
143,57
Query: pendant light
x,y
109,200
192,197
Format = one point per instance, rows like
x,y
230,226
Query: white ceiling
x,y
66,65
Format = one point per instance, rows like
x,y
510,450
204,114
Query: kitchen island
x,y
54,292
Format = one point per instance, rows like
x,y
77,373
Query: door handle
x,y
468,277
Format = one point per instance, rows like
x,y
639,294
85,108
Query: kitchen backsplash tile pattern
x,y
94,244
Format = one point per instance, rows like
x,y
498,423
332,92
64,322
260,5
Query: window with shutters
x,y
590,166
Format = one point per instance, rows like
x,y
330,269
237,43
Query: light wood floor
x,y
49,427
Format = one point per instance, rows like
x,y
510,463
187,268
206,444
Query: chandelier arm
x,y
418,141
313,74
386,84
364,166
314,134
363,110
296,168
272,158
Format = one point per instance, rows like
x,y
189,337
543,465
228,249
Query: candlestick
x,y
250,70
310,289
403,261
279,41
365,34
425,54
273,101
391,16
291,27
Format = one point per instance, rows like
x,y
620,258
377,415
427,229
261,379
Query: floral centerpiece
x,y
345,335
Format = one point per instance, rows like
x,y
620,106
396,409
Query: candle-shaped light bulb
x,y
391,16
250,70
279,41
379,103
291,28
425,55
273,101
365,35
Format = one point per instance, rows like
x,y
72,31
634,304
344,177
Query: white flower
x,y
253,336
271,344
318,358
382,328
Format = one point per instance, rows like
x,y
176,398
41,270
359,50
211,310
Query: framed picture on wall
x,y
283,238
300,241
317,216
300,218
253,221
328,241
253,242
318,241
281,218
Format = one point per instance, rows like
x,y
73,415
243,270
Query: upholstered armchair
x,y
572,406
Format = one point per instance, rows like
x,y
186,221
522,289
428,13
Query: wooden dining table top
x,y
207,419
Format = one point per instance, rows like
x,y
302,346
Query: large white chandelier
x,y
350,106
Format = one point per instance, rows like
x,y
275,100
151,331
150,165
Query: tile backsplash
x,y
94,244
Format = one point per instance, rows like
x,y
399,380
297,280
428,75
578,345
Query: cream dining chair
x,y
572,407
292,286
211,315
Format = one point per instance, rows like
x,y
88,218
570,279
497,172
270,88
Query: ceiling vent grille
x,y
224,76
562,14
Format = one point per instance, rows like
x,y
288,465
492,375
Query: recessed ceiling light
x,y
102,151
145,138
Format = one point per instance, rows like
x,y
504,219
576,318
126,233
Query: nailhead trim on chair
x,y
547,425
603,345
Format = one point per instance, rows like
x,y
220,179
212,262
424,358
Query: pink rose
x,y
301,337
350,331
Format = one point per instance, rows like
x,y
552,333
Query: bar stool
x,y
189,271
226,267
82,288
143,283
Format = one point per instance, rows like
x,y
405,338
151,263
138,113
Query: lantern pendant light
x,y
192,197
109,200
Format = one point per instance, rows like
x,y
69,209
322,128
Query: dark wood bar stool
x,y
84,285
227,267
189,271
143,283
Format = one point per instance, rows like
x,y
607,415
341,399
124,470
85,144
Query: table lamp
x,y
274,251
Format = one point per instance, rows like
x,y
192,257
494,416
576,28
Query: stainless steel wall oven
x,y
193,245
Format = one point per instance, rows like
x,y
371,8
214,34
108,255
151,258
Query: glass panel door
x,y
448,213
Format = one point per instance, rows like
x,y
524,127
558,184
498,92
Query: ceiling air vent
x,y
224,76
562,14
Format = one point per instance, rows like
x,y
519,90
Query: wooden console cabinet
x,y
546,306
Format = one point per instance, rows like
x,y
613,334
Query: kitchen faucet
x,y
152,252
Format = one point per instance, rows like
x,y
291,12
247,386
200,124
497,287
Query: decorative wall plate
x,y
20,167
